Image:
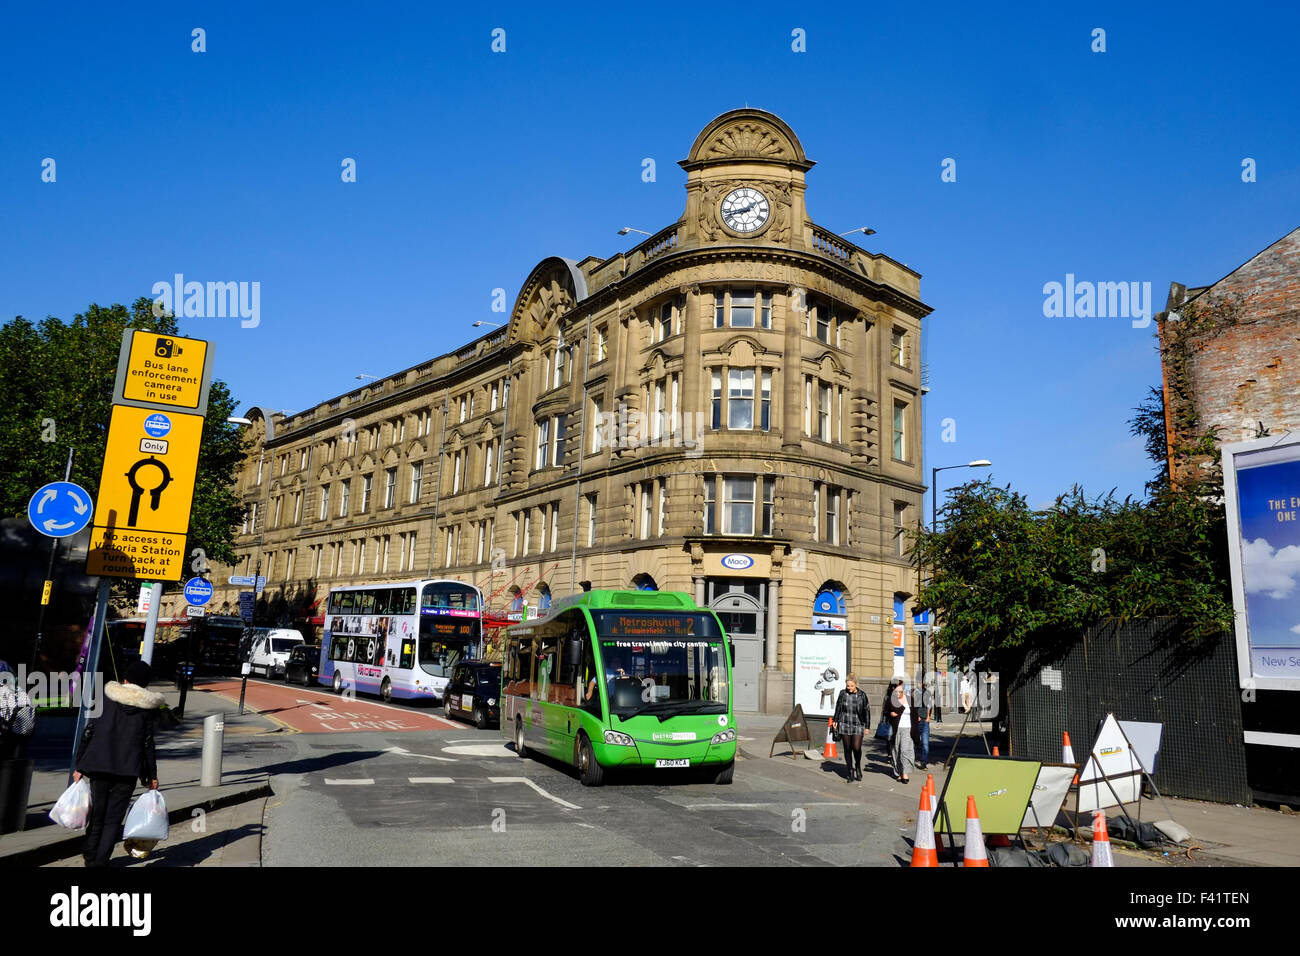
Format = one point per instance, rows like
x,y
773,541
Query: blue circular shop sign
x,y
737,562
60,508
198,591
157,425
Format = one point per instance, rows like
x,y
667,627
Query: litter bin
x,y
15,788
17,721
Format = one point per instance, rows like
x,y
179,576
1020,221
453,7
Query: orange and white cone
x,y
995,751
830,751
1067,753
974,853
924,852
928,787
1101,855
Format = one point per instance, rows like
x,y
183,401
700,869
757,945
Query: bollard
x,y
214,732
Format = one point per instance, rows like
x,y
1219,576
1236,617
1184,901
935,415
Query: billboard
x,y
821,663
1261,483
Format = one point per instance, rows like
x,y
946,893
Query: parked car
x,y
303,663
269,650
474,692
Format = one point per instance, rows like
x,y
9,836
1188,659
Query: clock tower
x,y
745,182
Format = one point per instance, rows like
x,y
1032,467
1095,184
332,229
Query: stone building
x,y
731,409
1237,369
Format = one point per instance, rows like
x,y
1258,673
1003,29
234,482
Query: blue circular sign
x,y
737,562
157,425
198,591
60,508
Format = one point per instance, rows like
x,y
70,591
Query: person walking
x,y
851,720
901,750
922,712
115,751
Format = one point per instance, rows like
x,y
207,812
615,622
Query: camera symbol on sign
x,y
166,348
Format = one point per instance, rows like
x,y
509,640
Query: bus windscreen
x,y
662,663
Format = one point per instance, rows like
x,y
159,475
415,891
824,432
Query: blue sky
x,y
472,166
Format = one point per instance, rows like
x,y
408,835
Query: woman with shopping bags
x,y
115,751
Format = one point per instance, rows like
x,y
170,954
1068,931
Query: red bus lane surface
x,y
315,712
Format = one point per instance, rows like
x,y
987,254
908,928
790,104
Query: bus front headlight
x,y
619,740
725,737
492,702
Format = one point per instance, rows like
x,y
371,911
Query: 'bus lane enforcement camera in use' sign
x,y
145,493
163,371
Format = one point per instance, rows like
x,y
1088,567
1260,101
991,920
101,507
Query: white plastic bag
x,y
147,819
72,810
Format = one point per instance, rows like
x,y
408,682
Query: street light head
x,y
980,463
239,421
624,231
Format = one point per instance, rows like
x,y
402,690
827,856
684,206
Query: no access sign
x,y
145,493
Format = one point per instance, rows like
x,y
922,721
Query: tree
x,y
56,391
1004,577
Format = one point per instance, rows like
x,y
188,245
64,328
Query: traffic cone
x,y
974,853
1101,855
928,787
830,752
924,852
1067,754
995,751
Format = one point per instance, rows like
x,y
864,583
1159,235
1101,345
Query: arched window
x,y
516,600
829,600
899,610
543,598
643,582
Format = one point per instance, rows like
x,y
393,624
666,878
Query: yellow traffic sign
x,y
164,371
146,489
45,592
125,553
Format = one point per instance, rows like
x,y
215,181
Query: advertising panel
x,y
821,662
1261,480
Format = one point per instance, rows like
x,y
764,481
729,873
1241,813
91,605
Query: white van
x,y
270,648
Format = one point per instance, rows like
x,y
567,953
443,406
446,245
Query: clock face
x,y
745,210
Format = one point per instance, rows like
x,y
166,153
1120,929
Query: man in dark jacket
x,y
116,750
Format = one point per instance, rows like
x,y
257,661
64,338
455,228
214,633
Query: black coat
x,y
120,741
894,713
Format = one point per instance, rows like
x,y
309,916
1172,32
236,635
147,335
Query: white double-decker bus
x,y
400,639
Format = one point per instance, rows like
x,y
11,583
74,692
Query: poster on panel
x,y
821,662
1001,787
1261,483
1050,791
1112,757
1145,738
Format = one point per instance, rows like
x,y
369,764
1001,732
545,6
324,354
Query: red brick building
x,y
1230,354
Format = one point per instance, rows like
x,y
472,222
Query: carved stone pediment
x,y
748,140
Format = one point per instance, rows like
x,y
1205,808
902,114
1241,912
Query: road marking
x,y
727,806
313,703
407,753
481,750
529,783
364,781
430,779
367,702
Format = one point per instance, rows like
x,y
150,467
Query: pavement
x,y
223,826
1221,834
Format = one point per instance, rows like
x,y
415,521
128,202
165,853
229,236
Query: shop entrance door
x,y
742,618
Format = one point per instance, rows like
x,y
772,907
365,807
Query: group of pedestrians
x,y
907,721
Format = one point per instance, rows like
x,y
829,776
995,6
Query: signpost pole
x,y
91,673
151,622
49,577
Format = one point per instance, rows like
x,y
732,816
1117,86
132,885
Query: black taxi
x,y
474,693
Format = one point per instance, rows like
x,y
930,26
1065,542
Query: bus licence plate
x,y
673,763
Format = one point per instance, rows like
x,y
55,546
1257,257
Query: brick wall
x,y
1250,373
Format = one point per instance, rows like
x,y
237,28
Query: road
x,y
360,783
